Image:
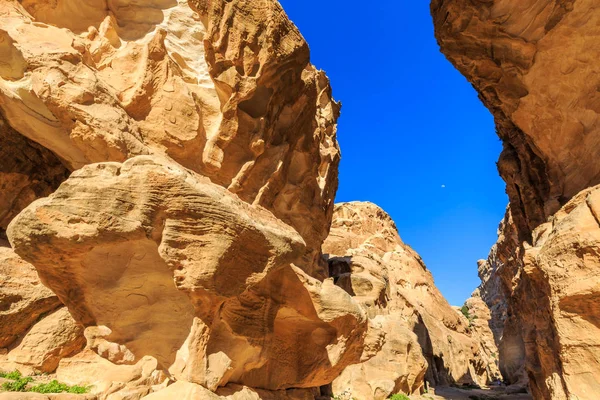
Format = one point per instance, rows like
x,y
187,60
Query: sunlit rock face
x,y
156,260
533,64
224,88
425,339
184,160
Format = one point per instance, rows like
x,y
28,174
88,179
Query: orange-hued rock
x,y
559,299
497,275
53,338
224,88
369,260
27,171
156,260
533,65
23,298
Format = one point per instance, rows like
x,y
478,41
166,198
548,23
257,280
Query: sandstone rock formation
x,y
532,63
23,298
156,260
196,237
370,261
55,337
478,317
224,88
561,295
498,273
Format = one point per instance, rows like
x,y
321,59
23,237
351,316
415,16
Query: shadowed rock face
x,y
28,171
532,63
370,261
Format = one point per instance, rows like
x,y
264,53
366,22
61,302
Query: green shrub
x,y
58,387
399,396
14,375
17,385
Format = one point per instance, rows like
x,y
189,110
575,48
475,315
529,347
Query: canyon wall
x,y
533,64
168,173
369,260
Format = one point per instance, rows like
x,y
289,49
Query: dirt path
x,y
448,393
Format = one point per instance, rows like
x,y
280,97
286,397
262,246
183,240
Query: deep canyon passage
x,y
168,227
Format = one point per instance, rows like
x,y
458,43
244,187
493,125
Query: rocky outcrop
x,y
55,337
560,296
369,260
479,319
202,154
23,298
498,281
147,249
224,88
532,64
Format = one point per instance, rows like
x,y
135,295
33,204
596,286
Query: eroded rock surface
x,y
370,261
561,302
23,298
499,278
225,88
532,63
156,260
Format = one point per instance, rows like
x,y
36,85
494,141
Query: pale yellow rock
x,y
224,88
110,381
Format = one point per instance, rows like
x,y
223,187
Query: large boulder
x,y
156,260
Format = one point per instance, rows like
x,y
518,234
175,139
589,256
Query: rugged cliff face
x,y
532,63
369,260
498,280
200,144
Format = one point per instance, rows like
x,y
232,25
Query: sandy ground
x,y
448,393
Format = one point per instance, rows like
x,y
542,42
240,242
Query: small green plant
x,y
399,396
17,385
55,386
14,375
465,311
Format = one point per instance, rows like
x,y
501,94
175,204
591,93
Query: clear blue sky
x,y
410,123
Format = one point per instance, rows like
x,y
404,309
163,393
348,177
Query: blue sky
x,y
410,123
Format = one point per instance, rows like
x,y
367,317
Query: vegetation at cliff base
x,y
19,383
